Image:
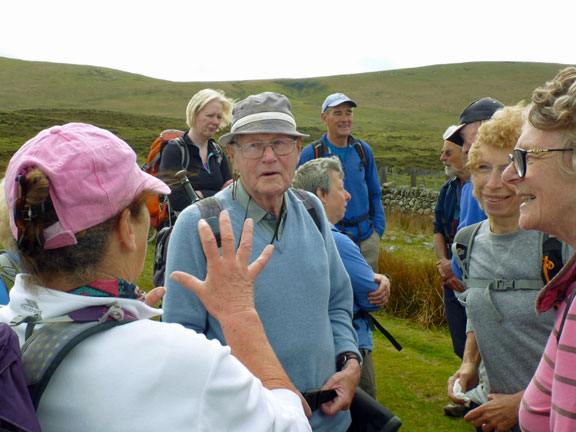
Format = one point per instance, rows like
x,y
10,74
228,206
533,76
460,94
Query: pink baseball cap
x,y
93,176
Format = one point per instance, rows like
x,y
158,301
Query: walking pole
x,y
181,175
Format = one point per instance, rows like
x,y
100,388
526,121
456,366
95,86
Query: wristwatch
x,y
344,357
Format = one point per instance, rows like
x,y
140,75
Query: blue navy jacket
x,y
447,211
364,186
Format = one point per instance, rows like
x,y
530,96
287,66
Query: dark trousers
x,y
456,317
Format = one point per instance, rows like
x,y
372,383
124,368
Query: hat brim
x,y
152,184
277,127
455,137
341,102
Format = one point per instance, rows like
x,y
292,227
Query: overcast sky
x,y
230,40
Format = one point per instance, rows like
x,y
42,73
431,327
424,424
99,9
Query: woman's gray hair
x,y
554,107
316,174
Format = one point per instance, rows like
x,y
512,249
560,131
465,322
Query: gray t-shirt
x,y
511,337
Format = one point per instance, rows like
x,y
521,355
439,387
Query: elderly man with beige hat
x,y
303,296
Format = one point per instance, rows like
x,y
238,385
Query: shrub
x,y
415,291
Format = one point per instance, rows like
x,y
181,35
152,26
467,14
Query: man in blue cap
x,y
364,220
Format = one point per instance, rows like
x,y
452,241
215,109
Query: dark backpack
x,y
320,149
24,374
554,254
210,209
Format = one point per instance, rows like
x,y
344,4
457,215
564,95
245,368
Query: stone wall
x,y
410,199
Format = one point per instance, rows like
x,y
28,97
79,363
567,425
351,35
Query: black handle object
x,y
181,175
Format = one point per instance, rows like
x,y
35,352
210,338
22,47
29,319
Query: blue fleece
x,y
364,186
362,278
470,213
303,295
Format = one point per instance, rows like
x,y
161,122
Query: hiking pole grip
x,y
181,175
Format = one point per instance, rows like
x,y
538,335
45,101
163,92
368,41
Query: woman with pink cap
x,y
79,220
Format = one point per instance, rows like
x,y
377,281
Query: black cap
x,y
481,109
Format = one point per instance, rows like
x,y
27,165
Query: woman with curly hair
x,y
544,175
503,278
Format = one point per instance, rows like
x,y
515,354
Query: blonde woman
x,y
207,167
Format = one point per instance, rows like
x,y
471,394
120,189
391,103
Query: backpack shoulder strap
x,y
218,153
210,209
361,153
553,254
318,147
462,247
185,156
308,202
45,349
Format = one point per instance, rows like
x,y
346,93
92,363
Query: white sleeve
x,y
233,399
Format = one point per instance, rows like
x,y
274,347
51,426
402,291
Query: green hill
x,y
402,113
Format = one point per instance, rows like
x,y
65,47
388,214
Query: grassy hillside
x,y
402,113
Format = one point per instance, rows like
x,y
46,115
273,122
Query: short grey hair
x,y
316,174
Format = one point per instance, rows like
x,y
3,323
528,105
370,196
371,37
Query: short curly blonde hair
x,y
501,131
203,98
554,107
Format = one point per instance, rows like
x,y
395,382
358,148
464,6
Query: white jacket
x,y
150,376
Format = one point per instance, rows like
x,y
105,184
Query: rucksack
x,y
210,209
25,373
554,254
320,149
158,206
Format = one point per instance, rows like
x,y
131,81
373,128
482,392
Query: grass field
x,y
401,114
412,382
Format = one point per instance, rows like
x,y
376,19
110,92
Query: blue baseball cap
x,y
336,99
